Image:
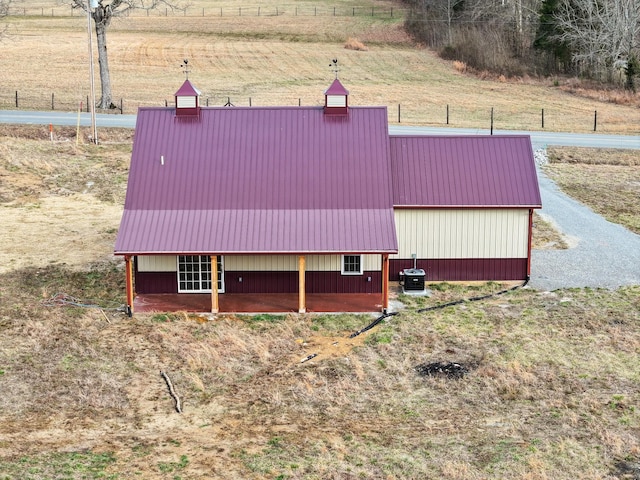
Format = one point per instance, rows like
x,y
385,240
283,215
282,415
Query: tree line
x,y
593,39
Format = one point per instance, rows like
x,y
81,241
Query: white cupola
x,y
187,100
336,99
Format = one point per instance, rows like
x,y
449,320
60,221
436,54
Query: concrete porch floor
x,y
257,303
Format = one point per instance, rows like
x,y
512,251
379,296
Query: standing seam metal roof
x,y
464,171
259,180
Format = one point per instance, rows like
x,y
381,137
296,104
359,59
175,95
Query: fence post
x,y
491,120
258,11
543,118
353,14
52,101
334,11
203,12
121,107
447,114
315,11
166,104
16,98
372,11
398,113
299,102
87,103
249,101
239,11
595,120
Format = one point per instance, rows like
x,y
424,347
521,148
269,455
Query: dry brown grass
x,y
552,388
608,181
546,235
281,61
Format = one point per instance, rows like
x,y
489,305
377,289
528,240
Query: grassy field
x,y
551,389
284,60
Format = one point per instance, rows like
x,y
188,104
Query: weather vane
x,y
185,65
334,64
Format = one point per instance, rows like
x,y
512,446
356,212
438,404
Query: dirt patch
x,y
74,230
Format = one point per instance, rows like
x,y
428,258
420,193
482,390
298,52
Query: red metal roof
x,y
464,171
259,180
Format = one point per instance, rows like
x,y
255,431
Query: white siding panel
x,y
157,263
282,263
462,233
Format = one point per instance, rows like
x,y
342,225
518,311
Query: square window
x,y
351,265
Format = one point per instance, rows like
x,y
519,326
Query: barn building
x,y
236,202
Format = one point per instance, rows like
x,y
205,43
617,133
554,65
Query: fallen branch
x,y
172,391
308,357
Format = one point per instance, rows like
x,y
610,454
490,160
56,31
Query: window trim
x,y
345,272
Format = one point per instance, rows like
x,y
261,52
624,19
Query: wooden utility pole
x,y
94,128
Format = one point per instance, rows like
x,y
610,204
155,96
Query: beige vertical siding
x,y
462,233
314,263
157,263
257,263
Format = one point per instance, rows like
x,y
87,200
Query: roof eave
x,y
425,207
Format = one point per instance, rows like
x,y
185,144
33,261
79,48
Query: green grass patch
x,y
68,466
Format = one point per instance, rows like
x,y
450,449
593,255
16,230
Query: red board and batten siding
x,y
269,282
464,269
315,282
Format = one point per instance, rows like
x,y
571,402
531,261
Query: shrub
x,y
459,66
355,44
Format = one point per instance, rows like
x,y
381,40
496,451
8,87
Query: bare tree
x,y
102,12
4,11
603,34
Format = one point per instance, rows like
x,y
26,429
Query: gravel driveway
x,y
602,254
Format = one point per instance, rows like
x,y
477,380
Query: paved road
x,y
539,139
602,254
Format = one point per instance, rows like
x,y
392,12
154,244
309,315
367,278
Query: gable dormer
x,y
336,99
187,100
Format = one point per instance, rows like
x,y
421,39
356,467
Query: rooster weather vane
x,y
334,64
185,65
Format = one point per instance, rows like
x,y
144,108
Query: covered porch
x,y
257,303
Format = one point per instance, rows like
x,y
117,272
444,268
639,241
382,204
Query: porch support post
x,y
128,264
302,299
215,306
385,281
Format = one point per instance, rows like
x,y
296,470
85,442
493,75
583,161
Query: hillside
x,y
243,56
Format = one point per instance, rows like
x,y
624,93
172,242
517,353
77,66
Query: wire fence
x,y
230,11
433,114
